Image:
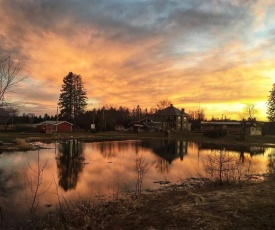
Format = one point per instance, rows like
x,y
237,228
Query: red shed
x,y
54,126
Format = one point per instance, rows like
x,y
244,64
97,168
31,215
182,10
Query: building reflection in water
x,y
69,161
241,149
111,149
167,151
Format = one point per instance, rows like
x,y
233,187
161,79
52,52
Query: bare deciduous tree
x,y
11,74
249,112
33,185
248,115
163,104
141,167
7,112
223,167
197,115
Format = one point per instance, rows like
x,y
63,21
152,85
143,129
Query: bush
x,y
22,143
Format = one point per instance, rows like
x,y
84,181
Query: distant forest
x,y
105,118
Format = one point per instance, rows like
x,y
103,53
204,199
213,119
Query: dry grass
x,y
249,206
22,144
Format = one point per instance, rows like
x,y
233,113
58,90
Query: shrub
x,y
22,143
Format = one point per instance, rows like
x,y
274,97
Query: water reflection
x,y
242,149
271,161
167,151
224,167
4,180
69,161
116,166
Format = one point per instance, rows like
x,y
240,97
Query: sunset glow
x,y
217,55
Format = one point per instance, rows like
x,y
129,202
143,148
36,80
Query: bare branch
x,y
11,74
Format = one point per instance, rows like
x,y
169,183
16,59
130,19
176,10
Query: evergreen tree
x,y
271,105
72,100
79,96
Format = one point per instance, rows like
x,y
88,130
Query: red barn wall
x,y
41,128
45,128
64,127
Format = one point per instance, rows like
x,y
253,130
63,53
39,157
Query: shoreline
x,y
23,141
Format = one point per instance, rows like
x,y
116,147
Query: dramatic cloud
x,y
215,54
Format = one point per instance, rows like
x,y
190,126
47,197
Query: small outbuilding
x,y
145,124
54,127
232,127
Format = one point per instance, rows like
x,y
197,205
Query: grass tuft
x,y
22,144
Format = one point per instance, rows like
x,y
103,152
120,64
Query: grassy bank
x,y
242,206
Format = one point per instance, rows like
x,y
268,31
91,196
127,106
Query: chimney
x,y
182,111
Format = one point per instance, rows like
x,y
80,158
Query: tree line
x,y
105,118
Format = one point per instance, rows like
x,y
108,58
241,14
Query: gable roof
x,y
171,111
145,119
53,123
152,124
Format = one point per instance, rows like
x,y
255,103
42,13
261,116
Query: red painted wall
x,y
49,128
45,128
64,127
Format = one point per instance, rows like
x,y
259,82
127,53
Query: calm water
x,y
89,169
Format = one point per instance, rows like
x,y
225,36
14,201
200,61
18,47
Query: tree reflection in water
x,y
271,163
4,179
69,163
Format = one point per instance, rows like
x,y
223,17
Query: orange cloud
x,y
192,56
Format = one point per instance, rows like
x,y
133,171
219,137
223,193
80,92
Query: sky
x,y
217,55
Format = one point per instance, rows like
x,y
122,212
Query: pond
x,y
72,170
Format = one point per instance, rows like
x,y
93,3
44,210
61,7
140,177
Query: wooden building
x,y
145,124
173,118
54,127
232,127
166,119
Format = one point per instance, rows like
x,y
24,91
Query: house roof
x,y
220,123
52,123
171,111
152,124
146,119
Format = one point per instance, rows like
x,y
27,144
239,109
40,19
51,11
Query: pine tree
x,y
271,104
79,96
72,100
